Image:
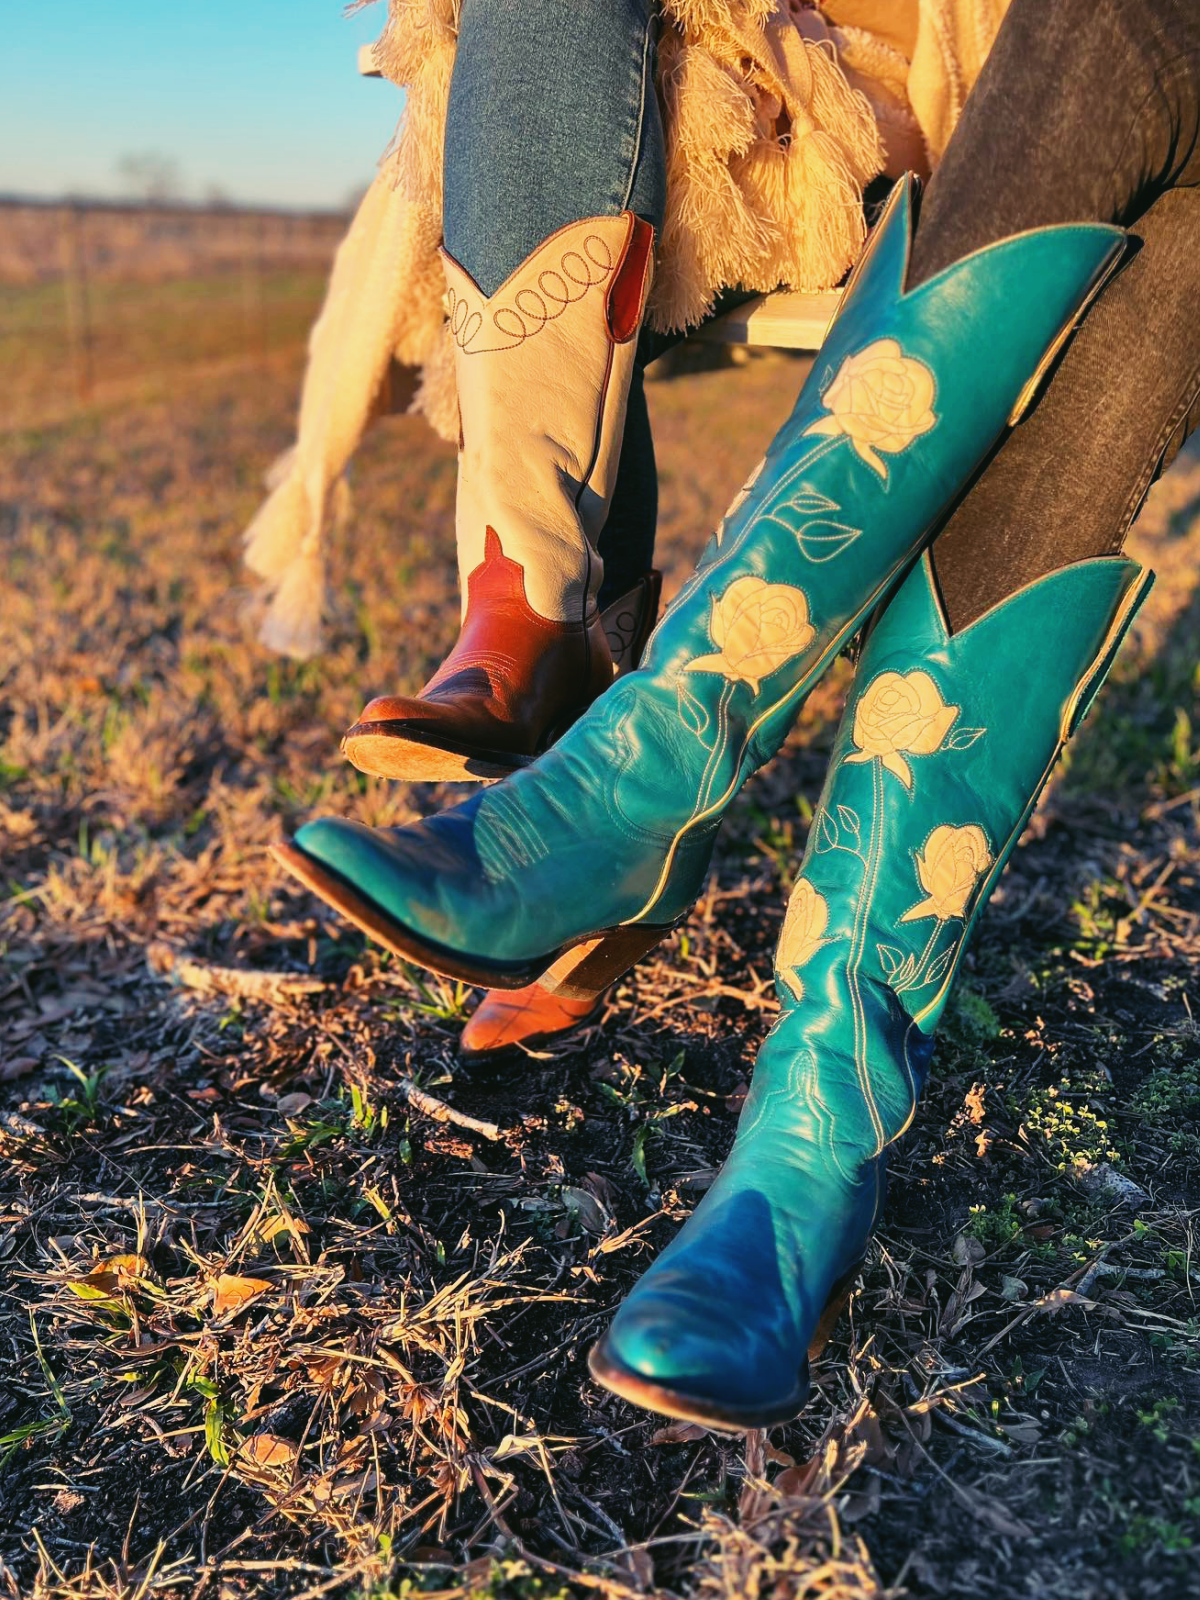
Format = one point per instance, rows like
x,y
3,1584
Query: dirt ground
x,y
265,1329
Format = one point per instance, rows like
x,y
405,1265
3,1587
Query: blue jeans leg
x,y
553,116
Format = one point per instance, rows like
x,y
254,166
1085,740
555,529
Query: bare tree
x,y
149,175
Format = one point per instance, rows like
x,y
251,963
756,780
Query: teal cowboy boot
x,y
944,747
580,862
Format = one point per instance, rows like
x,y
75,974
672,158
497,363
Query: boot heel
x,y
586,970
834,1306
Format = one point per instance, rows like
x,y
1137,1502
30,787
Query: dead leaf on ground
x,y
16,1067
269,1450
678,1433
231,1293
110,1276
966,1251
1059,1299
974,1104
797,1480
290,1104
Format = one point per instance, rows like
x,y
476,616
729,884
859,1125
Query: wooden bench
x,y
779,321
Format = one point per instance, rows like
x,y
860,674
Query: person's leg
x,y
1095,104
553,189
552,116
1070,480
1085,111
626,542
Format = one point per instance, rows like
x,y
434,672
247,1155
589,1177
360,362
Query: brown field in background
x,y
96,300
268,1329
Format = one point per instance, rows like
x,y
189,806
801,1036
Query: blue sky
x,y
260,98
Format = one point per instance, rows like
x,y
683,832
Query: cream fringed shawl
x,y
775,112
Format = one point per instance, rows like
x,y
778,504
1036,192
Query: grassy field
x,y
167,327
265,1329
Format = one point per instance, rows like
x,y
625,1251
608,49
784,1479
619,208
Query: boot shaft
x,y
909,393
543,368
943,750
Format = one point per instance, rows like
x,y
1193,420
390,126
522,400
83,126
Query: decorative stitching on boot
x,y
531,309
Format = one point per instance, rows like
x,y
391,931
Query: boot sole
x,y
577,971
393,750
613,1375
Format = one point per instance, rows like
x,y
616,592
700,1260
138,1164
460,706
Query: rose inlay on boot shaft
x,y
605,840
942,752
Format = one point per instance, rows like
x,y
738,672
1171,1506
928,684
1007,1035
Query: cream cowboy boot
x,y
543,369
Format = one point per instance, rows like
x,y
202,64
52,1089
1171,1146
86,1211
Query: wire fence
x,y
98,297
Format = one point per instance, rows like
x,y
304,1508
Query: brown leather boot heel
x,y
528,1018
532,1017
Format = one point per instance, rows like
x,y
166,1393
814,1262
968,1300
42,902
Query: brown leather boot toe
x,y
513,682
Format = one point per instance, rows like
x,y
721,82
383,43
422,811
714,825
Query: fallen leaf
x,y
16,1067
276,1225
879,1451
640,1566
1026,1432
595,1183
354,1488
974,1104
966,1251
796,1480
1059,1299
678,1433
857,1506
269,1450
108,1277
231,1293
290,1104
124,1266
590,1210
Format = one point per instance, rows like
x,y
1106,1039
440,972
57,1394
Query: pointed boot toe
x,y
715,1331
699,1362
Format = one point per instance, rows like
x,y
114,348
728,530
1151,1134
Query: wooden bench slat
x,y
782,321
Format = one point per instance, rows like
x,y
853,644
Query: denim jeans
x,y
1086,110
553,116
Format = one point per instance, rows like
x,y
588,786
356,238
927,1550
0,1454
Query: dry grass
x,y
271,1327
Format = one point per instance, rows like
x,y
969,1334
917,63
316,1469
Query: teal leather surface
x,y
616,822
942,751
